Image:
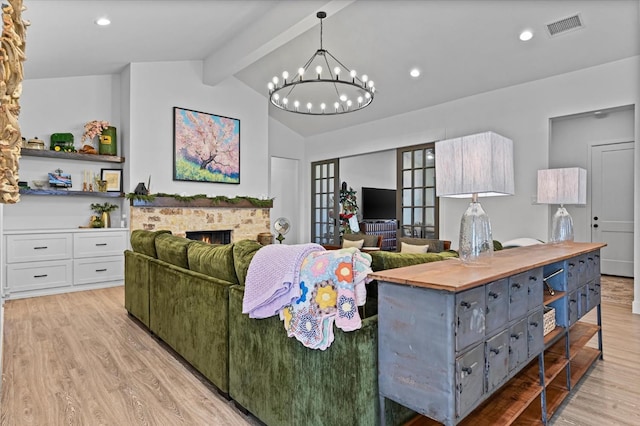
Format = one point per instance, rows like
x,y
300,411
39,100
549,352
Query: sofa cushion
x,y
435,246
352,243
370,240
411,248
213,260
143,241
172,249
243,252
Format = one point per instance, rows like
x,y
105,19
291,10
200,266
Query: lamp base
x,y
561,226
476,242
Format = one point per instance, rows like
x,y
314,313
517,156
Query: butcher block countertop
x,y
452,275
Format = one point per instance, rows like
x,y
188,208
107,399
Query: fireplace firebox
x,y
211,237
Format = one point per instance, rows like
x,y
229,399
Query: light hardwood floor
x,y
79,359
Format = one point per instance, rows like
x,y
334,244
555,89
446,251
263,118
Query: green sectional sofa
x,y
179,289
190,294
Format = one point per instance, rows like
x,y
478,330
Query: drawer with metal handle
x,y
37,247
93,244
30,276
92,270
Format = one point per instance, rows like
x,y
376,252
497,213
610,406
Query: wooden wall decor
x,y
12,46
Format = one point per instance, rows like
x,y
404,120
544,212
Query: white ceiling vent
x,y
565,25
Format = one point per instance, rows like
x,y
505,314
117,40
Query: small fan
x,y
282,226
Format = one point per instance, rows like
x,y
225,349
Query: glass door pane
x,y
417,202
324,202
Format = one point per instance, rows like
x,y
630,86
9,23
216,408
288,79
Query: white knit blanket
x,y
273,278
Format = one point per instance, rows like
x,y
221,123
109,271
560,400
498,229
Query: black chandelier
x,y
308,92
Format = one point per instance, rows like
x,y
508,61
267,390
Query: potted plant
x,y
104,211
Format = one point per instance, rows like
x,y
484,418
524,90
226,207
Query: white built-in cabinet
x,y
41,262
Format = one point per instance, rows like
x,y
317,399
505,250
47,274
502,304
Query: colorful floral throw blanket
x,y
332,286
273,278
310,288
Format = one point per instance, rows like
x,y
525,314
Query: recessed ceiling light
x,y
103,22
415,73
526,35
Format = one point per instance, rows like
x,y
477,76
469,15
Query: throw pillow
x,y
411,248
352,243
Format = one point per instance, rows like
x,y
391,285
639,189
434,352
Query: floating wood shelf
x,y
62,192
198,203
71,155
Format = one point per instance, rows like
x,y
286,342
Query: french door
x,y
416,201
325,197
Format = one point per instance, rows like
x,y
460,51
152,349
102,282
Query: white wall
x,y
61,105
285,189
519,112
375,170
142,100
286,150
284,142
157,87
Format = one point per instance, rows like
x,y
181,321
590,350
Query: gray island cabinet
x,y
463,344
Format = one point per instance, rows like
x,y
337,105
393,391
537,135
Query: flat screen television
x,y
378,204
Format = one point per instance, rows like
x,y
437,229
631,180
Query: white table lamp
x,y
562,186
479,165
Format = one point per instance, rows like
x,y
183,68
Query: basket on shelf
x,y
549,320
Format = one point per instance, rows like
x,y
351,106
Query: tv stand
x,y
386,227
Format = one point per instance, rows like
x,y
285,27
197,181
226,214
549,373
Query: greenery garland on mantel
x,y
215,201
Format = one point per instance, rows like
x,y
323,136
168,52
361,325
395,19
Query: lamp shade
x,y
479,164
562,186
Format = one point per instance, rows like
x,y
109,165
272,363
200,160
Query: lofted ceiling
x,y
461,47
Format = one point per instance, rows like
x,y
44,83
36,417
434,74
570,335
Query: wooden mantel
x,y
237,203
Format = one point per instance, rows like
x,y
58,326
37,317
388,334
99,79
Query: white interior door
x,y
612,206
285,191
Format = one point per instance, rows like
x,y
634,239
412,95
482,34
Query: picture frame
x,y
113,178
206,147
60,180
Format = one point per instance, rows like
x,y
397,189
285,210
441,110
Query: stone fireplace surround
x,y
243,219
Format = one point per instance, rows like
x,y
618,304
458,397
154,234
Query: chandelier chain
x,y
320,33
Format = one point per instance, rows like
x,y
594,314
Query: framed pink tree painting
x,y
206,147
